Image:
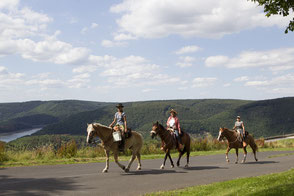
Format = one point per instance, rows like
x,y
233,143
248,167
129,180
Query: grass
x,y
70,153
272,184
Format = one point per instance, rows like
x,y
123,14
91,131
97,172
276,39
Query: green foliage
x,y
3,156
261,118
16,116
272,184
68,149
278,7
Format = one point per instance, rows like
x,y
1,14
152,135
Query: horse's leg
x,y
139,161
188,157
131,161
171,161
166,154
237,154
180,155
228,150
107,161
245,155
253,147
115,155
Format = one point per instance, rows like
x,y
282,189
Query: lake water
x,y
10,137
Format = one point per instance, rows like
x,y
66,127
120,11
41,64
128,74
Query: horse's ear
x,y
157,122
88,124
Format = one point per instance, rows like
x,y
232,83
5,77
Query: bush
x,y
3,156
68,149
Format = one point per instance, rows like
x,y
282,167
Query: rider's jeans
x,y
178,136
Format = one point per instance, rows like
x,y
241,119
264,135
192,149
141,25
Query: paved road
x,y
87,179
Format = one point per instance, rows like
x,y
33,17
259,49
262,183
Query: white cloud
x,y
94,25
189,18
214,61
188,49
186,61
84,30
275,60
123,36
203,82
227,84
110,44
241,79
8,4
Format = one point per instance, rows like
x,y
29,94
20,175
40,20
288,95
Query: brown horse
x,y
233,142
134,142
170,143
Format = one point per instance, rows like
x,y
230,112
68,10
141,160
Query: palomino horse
x,y
233,142
135,143
170,143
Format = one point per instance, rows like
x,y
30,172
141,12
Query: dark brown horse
x,y
233,142
170,143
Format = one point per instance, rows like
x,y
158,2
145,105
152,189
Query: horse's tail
x,y
253,144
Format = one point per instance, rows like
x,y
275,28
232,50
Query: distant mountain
x,y
262,118
16,116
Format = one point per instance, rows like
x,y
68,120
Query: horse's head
x,y
91,133
220,134
155,129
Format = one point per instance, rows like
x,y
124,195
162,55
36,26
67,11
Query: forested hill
x,y
262,118
25,115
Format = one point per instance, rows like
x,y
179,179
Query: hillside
x,y
262,118
16,116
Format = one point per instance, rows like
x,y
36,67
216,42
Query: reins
x,y
164,133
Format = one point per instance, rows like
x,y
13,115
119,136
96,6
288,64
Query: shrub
x,y
3,156
67,150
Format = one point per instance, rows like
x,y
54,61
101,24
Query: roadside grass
x,y
69,152
271,184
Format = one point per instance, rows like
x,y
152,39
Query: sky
x,y
137,50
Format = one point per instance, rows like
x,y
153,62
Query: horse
x,y
233,142
170,143
134,143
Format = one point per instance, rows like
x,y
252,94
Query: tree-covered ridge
x,y
16,116
262,118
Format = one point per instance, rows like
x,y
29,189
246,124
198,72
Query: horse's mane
x,y
100,125
228,129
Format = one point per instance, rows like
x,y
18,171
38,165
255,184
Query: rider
x,y
174,124
121,124
239,126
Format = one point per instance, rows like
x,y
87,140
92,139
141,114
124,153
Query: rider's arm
x,y
111,125
125,120
243,128
167,122
179,127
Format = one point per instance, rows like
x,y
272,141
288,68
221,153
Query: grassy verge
x,y
25,160
272,184
69,152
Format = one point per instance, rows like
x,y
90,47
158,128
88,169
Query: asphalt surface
x,y
87,179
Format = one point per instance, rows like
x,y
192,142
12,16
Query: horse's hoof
x,y
178,165
162,167
172,166
104,171
236,162
127,170
186,166
256,160
228,160
138,168
123,168
243,162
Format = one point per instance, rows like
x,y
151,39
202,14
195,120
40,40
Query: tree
x,y
280,7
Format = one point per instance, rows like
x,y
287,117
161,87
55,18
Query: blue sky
x,y
129,50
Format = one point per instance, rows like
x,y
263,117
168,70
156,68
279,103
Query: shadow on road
x,y
152,172
34,186
260,162
204,168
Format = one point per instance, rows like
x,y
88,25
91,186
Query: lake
x,y
10,137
